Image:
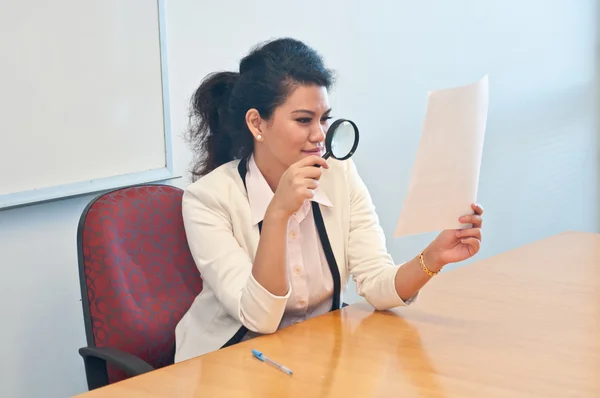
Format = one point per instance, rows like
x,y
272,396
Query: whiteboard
x,y
82,102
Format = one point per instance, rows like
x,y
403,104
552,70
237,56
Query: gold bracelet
x,y
427,270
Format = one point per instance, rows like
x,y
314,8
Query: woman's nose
x,y
318,134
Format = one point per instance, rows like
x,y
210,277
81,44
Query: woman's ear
x,y
254,123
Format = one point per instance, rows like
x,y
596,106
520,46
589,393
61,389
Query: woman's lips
x,y
314,151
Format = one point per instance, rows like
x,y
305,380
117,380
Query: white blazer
x,y
223,241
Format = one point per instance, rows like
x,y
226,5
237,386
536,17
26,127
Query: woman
x,y
275,238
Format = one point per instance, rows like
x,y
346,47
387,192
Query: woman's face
x,y
296,129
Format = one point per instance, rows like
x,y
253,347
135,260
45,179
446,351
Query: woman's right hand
x,y
296,185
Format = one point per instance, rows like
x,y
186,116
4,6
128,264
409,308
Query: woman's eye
x,y
307,120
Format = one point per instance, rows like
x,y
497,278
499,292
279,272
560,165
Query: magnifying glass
x,y
341,139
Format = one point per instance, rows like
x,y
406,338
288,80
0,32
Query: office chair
x,y
137,279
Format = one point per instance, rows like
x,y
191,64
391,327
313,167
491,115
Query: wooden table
x,y
525,323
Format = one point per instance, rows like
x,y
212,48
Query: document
x,y
445,175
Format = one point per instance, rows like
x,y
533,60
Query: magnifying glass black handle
x,y
326,156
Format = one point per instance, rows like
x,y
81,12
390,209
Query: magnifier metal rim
x,y
330,134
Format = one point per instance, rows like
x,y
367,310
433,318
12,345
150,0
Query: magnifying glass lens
x,y
341,140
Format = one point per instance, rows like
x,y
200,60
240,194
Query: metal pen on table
x,y
259,355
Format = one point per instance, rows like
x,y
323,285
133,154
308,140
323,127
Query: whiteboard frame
x,y
58,192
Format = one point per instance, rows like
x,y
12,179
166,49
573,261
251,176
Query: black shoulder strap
x,y
243,170
333,268
335,271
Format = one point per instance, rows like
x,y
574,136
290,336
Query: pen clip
x,y
258,355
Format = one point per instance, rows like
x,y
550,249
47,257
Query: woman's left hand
x,y
456,245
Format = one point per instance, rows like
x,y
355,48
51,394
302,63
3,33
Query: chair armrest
x,y
96,359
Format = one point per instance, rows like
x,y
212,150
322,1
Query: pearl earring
x,y
259,137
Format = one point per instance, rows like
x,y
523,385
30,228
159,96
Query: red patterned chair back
x,y
137,275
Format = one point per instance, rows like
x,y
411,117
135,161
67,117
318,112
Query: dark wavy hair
x,y
267,75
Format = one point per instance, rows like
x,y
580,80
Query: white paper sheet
x,y
445,176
